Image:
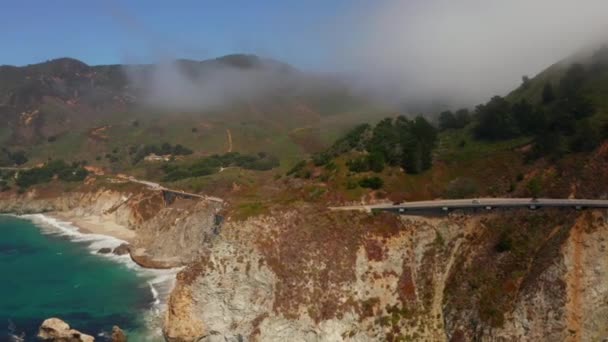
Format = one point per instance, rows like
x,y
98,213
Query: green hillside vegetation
x,y
15,158
66,100
501,148
564,117
395,142
57,168
210,165
350,149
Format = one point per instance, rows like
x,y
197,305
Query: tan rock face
x,y
307,275
56,330
118,335
509,277
181,323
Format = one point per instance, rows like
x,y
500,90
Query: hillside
x,y
66,109
271,263
525,144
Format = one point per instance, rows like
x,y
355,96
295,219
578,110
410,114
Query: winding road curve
x,y
413,208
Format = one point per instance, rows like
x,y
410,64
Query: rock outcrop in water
x,y
56,330
122,249
118,335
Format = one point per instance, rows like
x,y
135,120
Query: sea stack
x,y
118,335
54,329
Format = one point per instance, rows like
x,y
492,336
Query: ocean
x,y
49,269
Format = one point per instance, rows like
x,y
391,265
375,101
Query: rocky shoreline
x,y
303,273
56,330
153,235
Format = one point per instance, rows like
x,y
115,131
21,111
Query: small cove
x,y
49,269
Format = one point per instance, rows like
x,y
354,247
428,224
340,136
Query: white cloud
x,y
468,49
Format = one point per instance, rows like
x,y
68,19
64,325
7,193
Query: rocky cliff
x,y
302,273
167,233
310,275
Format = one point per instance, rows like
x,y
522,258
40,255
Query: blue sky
x,y
104,32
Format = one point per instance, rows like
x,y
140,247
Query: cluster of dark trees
x,y
559,122
398,142
140,152
212,164
73,172
373,183
456,120
8,158
395,142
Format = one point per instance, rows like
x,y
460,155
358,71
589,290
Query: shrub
x,y
351,184
321,159
371,183
534,187
59,168
210,165
18,157
297,168
504,243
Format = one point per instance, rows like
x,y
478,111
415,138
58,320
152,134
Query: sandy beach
x,y
96,225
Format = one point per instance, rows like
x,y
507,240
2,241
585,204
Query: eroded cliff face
x,y
310,275
307,274
168,233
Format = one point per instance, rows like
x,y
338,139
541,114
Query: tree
x,y
579,106
418,144
374,183
547,143
384,140
548,94
5,159
456,120
18,157
376,161
462,117
534,187
495,120
572,82
525,82
360,164
529,120
522,112
586,139
446,120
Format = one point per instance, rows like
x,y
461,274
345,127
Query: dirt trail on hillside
x,y
229,140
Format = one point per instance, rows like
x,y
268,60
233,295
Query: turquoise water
x,y
46,272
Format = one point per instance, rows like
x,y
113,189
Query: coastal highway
x,y
478,203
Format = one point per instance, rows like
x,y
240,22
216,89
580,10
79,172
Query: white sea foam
x,y
160,282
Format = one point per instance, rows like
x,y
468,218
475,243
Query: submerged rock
x,y
122,249
104,250
54,329
118,335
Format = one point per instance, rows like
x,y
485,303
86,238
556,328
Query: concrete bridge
x,y
417,208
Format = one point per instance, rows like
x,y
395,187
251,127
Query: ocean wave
x,y
159,282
